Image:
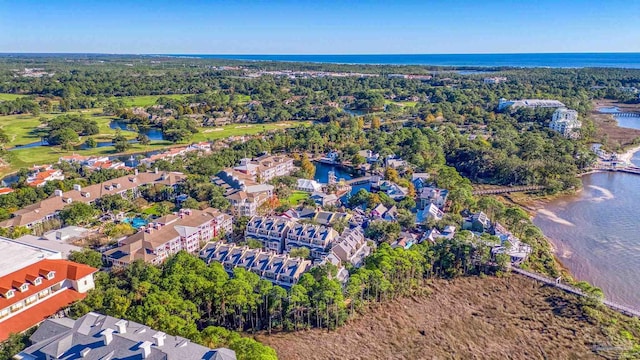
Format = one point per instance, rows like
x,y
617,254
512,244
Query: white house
x,y
309,186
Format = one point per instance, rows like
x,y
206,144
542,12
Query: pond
x,y
153,133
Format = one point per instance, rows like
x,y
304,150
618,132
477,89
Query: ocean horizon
x,y
524,60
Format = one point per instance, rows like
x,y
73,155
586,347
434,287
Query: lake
x,y
322,175
596,233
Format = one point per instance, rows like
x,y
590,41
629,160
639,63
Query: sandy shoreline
x,y
628,155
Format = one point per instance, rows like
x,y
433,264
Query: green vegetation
x,y
148,100
296,197
9,97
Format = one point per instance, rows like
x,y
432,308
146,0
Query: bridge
x,y
359,181
508,189
573,290
626,114
625,169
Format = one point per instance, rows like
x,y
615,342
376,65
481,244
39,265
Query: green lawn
x,y
401,103
148,100
297,196
242,99
4,97
22,129
239,130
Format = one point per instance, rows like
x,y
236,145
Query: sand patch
x,y
554,217
213,130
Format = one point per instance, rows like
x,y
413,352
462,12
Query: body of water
x,y
555,60
597,233
153,133
322,175
632,122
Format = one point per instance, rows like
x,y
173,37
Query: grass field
x,y
401,103
4,97
21,129
148,100
297,196
239,130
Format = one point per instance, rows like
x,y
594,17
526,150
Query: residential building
x,y
324,199
279,269
327,218
57,240
478,222
317,238
405,240
430,212
379,211
494,80
420,180
529,103
40,177
5,190
34,289
266,167
351,247
244,193
510,245
309,186
432,195
99,337
434,234
565,121
185,230
124,186
370,156
395,191
270,231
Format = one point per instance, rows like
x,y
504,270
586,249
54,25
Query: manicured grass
x,y
296,197
4,97
22,129
401,103
239,130
148,100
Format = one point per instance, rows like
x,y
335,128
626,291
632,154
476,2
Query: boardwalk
x,y
360,180
570,289
508,189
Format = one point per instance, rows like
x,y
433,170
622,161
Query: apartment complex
x,y
317,238
35,284
165,236
243,192
125,186
279,269
266,167
100,337
494,80
565,121
351,247
270,231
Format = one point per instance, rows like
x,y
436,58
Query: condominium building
x,y
279,269
185,230
565,121
351,247
270,231
124,186
35,284
266,167
99,337
244,194
317,238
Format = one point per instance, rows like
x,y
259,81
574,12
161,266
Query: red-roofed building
x,y
5,190
41,177
37,291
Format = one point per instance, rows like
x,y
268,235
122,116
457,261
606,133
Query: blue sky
x,y
319,27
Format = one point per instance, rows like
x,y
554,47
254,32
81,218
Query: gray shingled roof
x,y
99,337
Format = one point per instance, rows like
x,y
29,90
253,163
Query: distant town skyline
x,y
328,27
